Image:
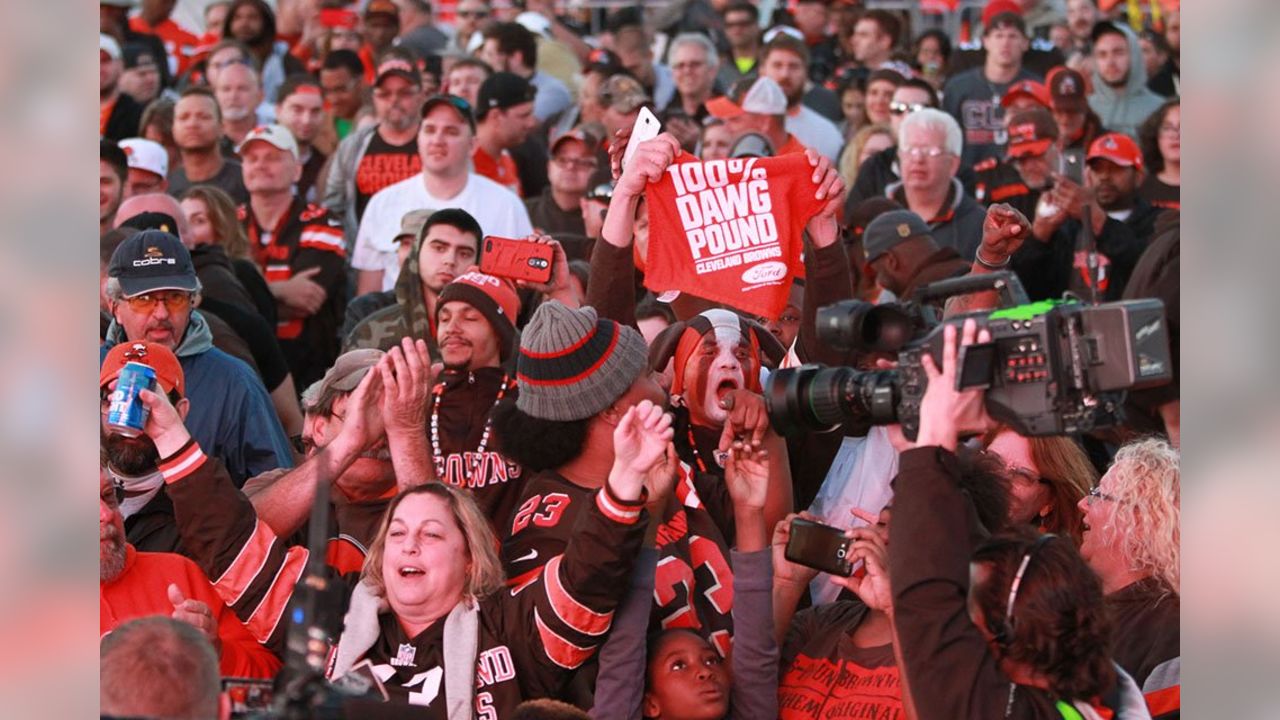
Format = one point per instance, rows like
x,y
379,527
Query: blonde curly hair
x,y
1145,478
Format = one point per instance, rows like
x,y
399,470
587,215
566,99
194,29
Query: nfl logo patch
x,y
404,656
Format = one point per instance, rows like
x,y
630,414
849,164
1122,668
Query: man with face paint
x,y
715,360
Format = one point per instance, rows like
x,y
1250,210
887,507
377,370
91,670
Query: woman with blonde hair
x,y
1133,542
1048,477
431,616
868,141
217,237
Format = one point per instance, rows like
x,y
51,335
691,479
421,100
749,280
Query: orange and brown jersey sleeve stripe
x,y
627,513
182,463
560,651
265,618
572,613
323,237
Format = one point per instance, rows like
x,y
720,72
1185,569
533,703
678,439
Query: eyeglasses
x,y
569,163
918,152
1097,494
174,301
602,192
901,108
691,65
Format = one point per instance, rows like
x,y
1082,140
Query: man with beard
x,y
119,114
1032,160
299,249
1114,168
448,244
786,62
145,511
239,93
338,415
151,287
1122,225
475,332
197,131
136,584
1120,94
380,155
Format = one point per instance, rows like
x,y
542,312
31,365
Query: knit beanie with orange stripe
x,y
574,364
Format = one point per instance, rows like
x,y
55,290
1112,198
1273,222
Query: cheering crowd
x,y
499,286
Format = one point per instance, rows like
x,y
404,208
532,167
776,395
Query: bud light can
x,y
126,415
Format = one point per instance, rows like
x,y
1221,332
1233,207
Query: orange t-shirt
x,y
730,230
502,171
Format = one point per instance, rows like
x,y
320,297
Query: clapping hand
x,y
406,375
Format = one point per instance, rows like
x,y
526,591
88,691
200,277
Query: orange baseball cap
x,y
1118,148
155,356
1027,88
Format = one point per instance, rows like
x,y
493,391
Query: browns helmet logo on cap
x,y
1110,143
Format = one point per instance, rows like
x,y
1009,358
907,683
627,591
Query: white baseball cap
x,y
146,155
273,134
108,45
764,97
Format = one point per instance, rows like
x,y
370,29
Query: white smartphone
x,y
647,127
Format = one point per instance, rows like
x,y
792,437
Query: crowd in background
x,y
562,497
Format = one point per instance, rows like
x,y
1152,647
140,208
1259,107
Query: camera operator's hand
x,y
946,413
823,228
786,572
1003,232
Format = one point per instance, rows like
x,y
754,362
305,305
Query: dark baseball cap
x,y
891,229
457,104
502,90
395,66
151,220
1031,132
1067,90
152,260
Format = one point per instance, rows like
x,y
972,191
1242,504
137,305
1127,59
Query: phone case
x,y
517,259
646,128
819,546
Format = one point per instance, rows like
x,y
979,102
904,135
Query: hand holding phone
x,y
819,546
517,259
646,128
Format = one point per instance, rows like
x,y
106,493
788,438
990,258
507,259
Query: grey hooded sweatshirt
x,y
1123,110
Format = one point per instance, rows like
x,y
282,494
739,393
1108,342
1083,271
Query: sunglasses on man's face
x,y
901,108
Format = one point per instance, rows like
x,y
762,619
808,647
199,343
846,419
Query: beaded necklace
x,y
478,457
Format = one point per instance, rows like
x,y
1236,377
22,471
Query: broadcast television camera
x,y
1052,367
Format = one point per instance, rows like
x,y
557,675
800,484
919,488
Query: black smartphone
x,y
819,546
